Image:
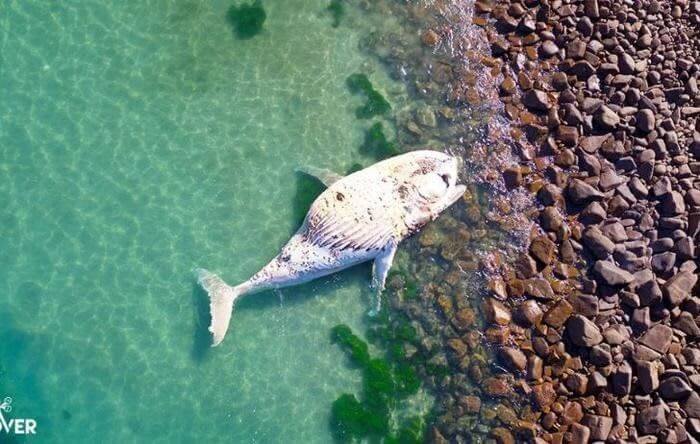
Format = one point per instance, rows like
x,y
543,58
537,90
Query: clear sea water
x,y
139,140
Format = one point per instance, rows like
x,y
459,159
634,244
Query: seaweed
x,y
375,105
359,352
355,167
385,383
376,143
350,419
337,10
247,20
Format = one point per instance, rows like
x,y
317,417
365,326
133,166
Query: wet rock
x,y
430,38
513,358
544,394
529,312
495,386
658,338
592,144
551,219
496,312
558,314
536,100
543,249
513,177
583,332
611,274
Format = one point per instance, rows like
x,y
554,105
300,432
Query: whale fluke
x,y
221,299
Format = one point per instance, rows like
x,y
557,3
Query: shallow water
x,y
139,140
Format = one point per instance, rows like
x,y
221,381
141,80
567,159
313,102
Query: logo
x,y
15,426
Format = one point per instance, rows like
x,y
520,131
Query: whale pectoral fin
x,y
380,270
326,177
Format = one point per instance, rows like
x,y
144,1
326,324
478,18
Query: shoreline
x,y
604,104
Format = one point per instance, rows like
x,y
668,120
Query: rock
x,y
543,249
495,386
691,406
548,48
430,38
677,289
658,338
577,383
611,274
592,144
525,266
593,213
672,204
600,426
550,194
512,358
590,8
502,435
622,380
583,332
496,312
687,325
551,219
605,118
544,395
529,312
663,263
558,314
581,193
472,404
674,388
600,245
513,177
646,121
536,100
616,334
580,434
652,420
647,376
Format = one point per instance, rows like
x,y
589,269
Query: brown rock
x,y
495,386
600,426
678,288
544,395
583,332
512,358
658,338
543,249
558,314
496,312
430,38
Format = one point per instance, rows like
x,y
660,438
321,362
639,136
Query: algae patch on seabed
x,y
337,10
377,145
247,20
375,105
386,382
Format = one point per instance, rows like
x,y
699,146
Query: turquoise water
x,y
139,140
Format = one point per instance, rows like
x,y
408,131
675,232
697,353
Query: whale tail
x,y
221,299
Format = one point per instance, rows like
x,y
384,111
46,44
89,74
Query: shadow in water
x,y
201,343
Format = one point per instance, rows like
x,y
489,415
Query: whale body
x,y
358,218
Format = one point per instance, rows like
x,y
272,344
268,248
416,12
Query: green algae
x,y
337,10
375,105
377,145
385,383
247,20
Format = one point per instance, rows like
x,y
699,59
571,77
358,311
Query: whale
x,y
358,218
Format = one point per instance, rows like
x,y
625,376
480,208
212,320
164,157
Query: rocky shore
x,y
603,309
